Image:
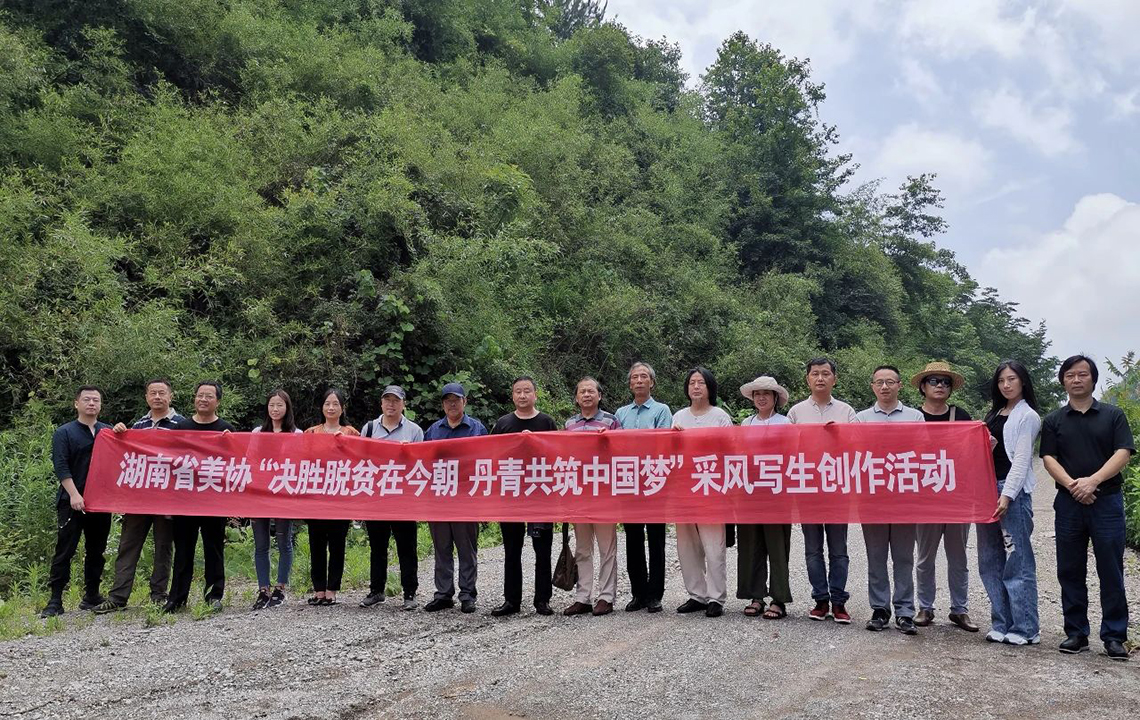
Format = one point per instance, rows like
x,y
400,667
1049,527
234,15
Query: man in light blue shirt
x,y
646,582
894,538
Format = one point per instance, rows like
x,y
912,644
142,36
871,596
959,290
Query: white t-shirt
x,y
715,417
775,419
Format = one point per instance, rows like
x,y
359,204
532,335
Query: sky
x,y
1029,112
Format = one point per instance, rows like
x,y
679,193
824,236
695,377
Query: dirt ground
x,y
302,662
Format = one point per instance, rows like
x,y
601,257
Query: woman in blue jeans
x,y
278,418
1009,572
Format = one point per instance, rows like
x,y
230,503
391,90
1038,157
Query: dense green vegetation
x,y
354,192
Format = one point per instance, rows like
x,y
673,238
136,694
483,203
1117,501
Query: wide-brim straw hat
x,y
938,368
765,382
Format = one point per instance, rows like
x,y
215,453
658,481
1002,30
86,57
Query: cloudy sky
x,y
1028,111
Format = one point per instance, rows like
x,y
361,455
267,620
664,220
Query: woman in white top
x,y
1007,566
701,547
761,548
278,418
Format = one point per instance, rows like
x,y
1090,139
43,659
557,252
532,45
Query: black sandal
x,y
325,601
314,600
771,614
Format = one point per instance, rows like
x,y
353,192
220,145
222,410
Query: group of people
x,y
1085,445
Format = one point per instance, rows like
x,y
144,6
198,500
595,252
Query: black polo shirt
x,y
1083,442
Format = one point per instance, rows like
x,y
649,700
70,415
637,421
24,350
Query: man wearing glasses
x,y
894,539
935,383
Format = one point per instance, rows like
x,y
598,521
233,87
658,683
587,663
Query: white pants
x,y
606,536
702,553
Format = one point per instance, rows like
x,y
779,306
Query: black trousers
x,y
326,553
94,528
186,530
514,536
405,531
645,583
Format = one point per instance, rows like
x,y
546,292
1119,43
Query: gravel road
x,y
303,662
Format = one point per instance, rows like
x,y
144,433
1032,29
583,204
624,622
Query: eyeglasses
x,y
939,381
885,383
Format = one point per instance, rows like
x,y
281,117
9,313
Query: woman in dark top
x,y
1010,574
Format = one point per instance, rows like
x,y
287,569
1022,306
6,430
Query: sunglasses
x,y
937,381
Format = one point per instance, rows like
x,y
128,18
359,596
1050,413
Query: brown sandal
x,y
775,611
753,609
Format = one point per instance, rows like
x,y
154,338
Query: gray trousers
x,y
132,537
898,542
957,569
464,538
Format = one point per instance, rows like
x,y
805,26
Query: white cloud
x,y
1046,129
1117,24
1081,279
965,27
962,164
1125,104
917,81
826,31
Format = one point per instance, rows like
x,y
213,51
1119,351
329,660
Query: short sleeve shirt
x,y
1083,442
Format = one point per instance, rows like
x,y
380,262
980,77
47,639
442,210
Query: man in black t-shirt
x,y
525,418
1085,445
935,383
187,527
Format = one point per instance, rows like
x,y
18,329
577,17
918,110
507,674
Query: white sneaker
x,y
995,637
1015,639
1035,640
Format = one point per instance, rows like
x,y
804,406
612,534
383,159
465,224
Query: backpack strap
x,y
953,412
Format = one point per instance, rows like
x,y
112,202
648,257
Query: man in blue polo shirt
x,y
646,583
71,447
457,537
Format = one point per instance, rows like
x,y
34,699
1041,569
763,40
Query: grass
x,y
19,612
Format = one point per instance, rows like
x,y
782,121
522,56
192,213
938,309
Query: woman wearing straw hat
x,y
763,550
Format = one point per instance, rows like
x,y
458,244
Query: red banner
x,y
859,473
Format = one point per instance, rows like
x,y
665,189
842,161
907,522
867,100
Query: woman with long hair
x,y
1009,571
327,538
278,419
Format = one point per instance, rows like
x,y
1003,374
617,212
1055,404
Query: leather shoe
x,y
962,620
171,607
603,607
1114,649
924,617
1074,644
543,608
653,606
714,609
438,604
578,608
468,606
505,609
691,606
634,605
879,620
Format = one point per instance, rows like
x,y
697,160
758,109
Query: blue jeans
x,y
1010,578
1103,523
284,533
827,585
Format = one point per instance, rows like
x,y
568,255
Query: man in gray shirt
x,y
895,539
392,426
